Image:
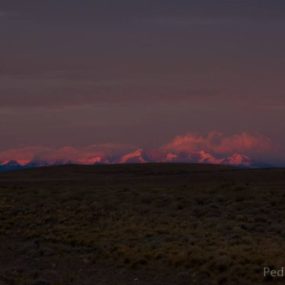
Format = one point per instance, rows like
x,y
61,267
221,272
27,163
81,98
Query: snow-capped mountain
x,y
10,165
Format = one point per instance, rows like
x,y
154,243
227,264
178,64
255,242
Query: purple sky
x,y
141,72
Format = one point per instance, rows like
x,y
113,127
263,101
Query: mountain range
x,y
141,156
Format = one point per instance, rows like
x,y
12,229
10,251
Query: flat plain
x,y
152,224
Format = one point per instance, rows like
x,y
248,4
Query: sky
x,y
132,75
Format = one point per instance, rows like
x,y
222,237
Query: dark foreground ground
x,y
141,224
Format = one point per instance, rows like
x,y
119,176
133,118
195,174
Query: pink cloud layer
x,y
214,148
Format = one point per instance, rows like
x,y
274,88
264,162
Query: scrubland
x,y
141,224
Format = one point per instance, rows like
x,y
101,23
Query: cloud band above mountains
x,y
214,148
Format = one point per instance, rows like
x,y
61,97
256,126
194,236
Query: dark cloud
x,y
65,91
106,10
139,71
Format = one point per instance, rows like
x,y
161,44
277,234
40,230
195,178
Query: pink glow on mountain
x,y
214,148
